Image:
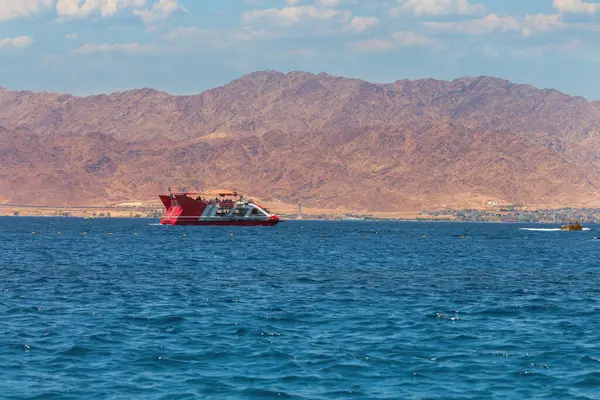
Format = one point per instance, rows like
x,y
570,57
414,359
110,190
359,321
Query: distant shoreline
x,y
294,220
155,211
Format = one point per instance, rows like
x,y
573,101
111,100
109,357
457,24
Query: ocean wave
x,y
272,316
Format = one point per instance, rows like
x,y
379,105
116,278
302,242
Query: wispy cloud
x,y
576,7
125,48
17,42
323,17
163,9
294,16
411,39
436,7
526,25
362,24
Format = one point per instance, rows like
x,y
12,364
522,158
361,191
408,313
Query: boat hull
x,y
181,209
572,229
222,223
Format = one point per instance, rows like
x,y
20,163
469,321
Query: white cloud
x,y
527,25
531,24
436,7
293,16
149,10
126,48
106,8
321,14
22,41
576,6
485,25
71,36
18,42
361,24
10,9
162,9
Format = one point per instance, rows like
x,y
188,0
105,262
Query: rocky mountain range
x,y
327,141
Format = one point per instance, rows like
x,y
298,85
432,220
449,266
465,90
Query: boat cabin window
x,y
257,212
221,212
240,212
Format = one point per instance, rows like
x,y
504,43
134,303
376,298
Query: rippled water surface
x,y
305,310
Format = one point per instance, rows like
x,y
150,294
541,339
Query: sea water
x,y
118,309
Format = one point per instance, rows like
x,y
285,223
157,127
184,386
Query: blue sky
x,y
187,46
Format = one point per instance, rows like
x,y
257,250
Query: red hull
x,y
224,223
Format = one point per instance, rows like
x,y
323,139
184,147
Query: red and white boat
x,y
227,209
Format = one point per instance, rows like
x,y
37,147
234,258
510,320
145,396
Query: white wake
x,y
547,229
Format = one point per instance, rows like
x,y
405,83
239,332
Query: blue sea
x,y
126,308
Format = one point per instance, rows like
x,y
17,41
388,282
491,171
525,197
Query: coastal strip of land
x,y
154,210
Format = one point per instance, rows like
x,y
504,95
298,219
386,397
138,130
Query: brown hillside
x,y
325,140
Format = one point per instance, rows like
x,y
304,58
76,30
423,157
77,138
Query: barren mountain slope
x,y
303,102
381,170
298,136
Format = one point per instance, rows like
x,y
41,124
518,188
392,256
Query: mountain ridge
x,y
296,72
311,137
